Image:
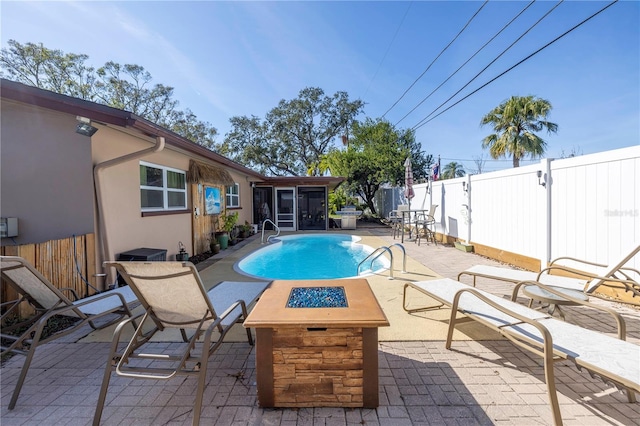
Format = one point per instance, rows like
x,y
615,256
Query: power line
x,y
436,58
419,124
468,60
387,51
485,160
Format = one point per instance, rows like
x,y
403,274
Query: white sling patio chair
x,y
49,301
174,297
585,276
612,359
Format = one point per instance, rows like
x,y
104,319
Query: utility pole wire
x,y
387,52
490,63
517,64
436,58
468,60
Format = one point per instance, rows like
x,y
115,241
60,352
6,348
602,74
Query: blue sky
x,y
228,59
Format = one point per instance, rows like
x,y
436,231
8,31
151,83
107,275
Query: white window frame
x,y
232,200
165,190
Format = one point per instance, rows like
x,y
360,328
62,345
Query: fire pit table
x,y
317,344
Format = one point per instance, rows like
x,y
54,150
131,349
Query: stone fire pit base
x,y
319,367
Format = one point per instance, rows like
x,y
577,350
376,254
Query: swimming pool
x,y
310,256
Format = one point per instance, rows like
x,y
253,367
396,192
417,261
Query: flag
x,y
408,181
436,171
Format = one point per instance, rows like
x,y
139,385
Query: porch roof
x,y
329,181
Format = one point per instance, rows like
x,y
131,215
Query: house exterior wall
x,y
126,227
45,174
246,198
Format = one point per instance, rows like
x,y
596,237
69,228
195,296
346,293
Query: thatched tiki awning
x,y
204,173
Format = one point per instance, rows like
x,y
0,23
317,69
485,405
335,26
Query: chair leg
x,y
111,361
249,336
549,377
27,362
103,389
207,350
23,375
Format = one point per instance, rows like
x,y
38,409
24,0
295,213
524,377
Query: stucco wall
x,y
127,229
244,212
45,174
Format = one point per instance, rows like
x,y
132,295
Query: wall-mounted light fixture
x,y
84,126
465,188
539,174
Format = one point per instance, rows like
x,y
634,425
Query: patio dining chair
x,y
395,219
174,297
425,224
48,301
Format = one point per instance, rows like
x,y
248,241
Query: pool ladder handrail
x,y
380,251
275,227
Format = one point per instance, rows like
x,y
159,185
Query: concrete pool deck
x,y
421,383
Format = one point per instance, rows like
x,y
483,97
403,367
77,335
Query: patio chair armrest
x,y
622,328
573,259
12,303
628,273
72,291
578,272
547,345
232,307
629,285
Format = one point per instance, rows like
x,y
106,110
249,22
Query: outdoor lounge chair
x,y
612,359
173,297
585,276
49,301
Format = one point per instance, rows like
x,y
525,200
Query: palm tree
x,y
514,122
453,170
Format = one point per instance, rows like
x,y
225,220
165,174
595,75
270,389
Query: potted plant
x,y
214,245
233,236
245,230
182,255
228,222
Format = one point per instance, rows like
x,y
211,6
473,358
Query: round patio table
x,y
554,301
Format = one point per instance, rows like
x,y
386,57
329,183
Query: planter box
x,y
464,247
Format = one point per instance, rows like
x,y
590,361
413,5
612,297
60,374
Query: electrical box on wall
x,y
8,227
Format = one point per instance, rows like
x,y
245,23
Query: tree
x,y
127,87
375,156
479,162
453,170
574,152
514,122
294,136
35,65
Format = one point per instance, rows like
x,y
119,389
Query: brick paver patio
x,y
421,383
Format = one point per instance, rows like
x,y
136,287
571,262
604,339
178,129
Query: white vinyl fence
x,y
588,207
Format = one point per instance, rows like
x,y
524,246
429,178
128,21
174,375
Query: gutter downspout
x,y
103,242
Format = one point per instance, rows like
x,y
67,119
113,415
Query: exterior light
x,y
84,127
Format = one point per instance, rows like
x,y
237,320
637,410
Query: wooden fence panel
x,y
203,224
66,263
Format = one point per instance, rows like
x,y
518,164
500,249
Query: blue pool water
x,y
310,256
